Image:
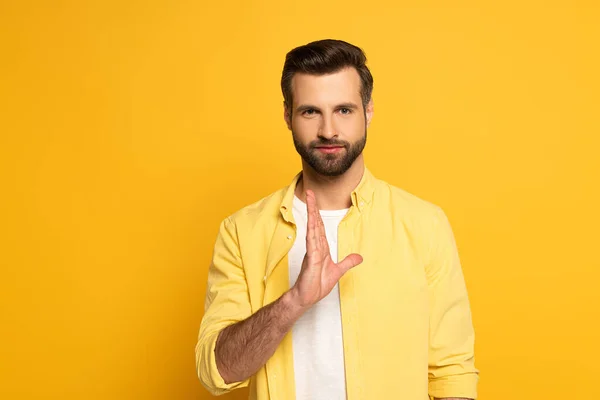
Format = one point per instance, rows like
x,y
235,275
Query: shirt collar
x,y
361,196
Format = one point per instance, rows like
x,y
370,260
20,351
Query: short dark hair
x,y
325,57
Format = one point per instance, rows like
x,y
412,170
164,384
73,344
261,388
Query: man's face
x,y
328,121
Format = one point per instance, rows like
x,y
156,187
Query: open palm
x,y
319,273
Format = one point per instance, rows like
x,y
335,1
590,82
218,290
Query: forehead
x,y
338,87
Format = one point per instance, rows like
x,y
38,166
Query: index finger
x,y
312,241
315,216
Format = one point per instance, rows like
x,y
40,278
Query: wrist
x,y
292,302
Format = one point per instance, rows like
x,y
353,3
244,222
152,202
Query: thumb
x,y
351,261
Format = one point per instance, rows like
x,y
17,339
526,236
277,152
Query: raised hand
x,y
319,273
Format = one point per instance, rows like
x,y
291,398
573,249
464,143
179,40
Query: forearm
x,y
244,347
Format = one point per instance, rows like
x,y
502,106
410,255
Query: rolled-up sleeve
x,y
227,302
452,371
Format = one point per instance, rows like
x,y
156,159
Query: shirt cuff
x,y
464,386
208,372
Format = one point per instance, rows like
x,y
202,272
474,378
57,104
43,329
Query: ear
x,y
369,111
287,116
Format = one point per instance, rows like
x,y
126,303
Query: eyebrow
x,y
304,107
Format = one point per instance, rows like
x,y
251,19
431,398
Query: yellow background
x,y
130,129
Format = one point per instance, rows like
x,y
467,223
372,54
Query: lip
x,y
330,149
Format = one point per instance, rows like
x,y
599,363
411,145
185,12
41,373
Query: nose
x,y
327,129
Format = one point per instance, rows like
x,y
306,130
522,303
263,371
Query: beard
x,y
334,164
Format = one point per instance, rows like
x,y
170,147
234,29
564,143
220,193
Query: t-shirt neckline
x,y
301,206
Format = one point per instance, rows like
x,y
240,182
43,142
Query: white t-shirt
x,y
317,335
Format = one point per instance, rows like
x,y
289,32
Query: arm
x,y
452,374
227,302
234,347
244,347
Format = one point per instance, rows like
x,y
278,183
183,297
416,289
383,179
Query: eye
x,y
345,111
309,112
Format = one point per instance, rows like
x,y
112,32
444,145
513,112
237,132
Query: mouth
x,y
329,149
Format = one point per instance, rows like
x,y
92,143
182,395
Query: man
x,y
359,295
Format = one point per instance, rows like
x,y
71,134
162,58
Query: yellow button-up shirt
x,y
406,319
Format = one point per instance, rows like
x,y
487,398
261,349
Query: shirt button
x,y
362,203
290,236
264,278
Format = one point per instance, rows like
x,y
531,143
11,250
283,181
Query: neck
x,y
332,192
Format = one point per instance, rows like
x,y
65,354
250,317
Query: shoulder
x,y
408,204
263,210
423,219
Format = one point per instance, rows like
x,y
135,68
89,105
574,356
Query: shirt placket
x,y
349,309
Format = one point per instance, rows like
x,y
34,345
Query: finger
x,y
319,225
313,214
324,245
312,237
351,261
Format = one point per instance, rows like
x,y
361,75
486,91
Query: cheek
x,y
352,127
305,127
